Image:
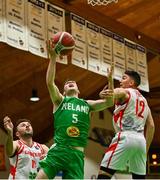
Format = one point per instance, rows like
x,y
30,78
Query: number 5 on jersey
x,y
74,118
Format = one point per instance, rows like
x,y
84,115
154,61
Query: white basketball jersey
x,y
25,163
132,114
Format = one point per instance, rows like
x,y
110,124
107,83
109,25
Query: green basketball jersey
x,y
72,122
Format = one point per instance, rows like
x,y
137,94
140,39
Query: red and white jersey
x,y
132,114
25,162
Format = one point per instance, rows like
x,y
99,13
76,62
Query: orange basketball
x,y
64,43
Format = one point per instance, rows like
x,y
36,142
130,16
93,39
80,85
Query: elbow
x,y
48,81
49,84
9,152
110,102
152,126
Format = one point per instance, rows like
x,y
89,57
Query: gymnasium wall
x,y
3,173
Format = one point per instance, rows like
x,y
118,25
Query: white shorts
x,y
127,151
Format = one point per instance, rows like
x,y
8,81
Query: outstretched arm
x,y
11,146
120,94
54,92
101,104
108,100
150,129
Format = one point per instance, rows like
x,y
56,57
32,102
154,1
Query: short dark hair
x,y
135,76
68,80
21,120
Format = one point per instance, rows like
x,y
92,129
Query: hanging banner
x,y
16,32
37,27
55,23
130,52
142,67
2,21
78,28
55,20
106,50
93,41
118,56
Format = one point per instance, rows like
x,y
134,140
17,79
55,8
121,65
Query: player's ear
x,y
17,134
78,91
131,83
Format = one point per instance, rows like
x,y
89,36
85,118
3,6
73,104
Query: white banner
x,y
106,50
37,27
118,56
79,55
130,51
142,67
93,40
55,20
56,23
2,21
16,32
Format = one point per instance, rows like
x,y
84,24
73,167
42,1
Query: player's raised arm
x,y
11,145
110,77
110,86
54,92
108,99
61,44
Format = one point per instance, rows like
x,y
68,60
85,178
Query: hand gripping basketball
x,y
64,43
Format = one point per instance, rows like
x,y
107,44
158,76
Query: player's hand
x,y
105,93
54,49
50,48
102,94
8,125
110,72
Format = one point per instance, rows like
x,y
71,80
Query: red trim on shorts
x,y
113,148
116,117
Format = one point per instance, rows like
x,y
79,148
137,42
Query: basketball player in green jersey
x,y
71,123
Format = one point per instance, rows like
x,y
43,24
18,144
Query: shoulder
x,y
17,144
17,147
45,148
121,92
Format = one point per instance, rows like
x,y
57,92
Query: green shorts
x,y
66,159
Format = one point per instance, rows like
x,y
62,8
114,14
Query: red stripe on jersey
x,y
21,147
119,116
13,169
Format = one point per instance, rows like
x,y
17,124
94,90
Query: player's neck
x,y
72,94
27,140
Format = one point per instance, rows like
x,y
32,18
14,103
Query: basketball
x,y
64,43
